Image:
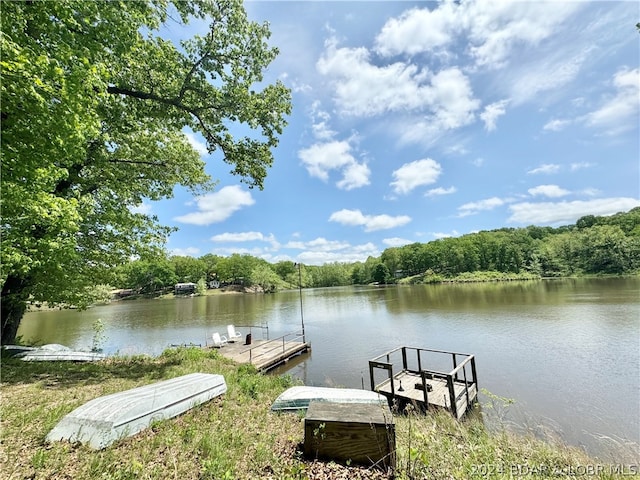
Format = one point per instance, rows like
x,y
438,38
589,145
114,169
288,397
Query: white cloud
x,y
370,222
231,250
580,165
440,191
184,252
452,106
322,131
144,208
325,245
496,28
364,89
229,237
321,158
417,30
396,241
530,79
320,125
456,149
453,103
355,175
591,192
491,114
491,29
568,212
218,206
355,253
473,208
238,237
320,251
547,168
552,191
438,235
198,145
556,125
415,174
619,113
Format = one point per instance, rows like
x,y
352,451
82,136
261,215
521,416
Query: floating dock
x,y
424,380
266,354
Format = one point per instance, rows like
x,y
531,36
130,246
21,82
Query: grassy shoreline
x,y
236,436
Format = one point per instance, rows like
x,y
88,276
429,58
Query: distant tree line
x,y
594,245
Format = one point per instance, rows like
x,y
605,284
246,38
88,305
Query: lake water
x,y
567,351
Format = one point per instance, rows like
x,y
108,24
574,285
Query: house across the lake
x,y
184,288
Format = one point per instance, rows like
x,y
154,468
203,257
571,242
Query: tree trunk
x,y
13,304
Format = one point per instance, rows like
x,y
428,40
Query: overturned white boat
x,y
55,352
298,398
104,420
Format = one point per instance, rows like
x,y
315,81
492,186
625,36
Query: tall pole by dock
x,y
300,290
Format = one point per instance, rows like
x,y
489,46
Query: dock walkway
x,y
266,354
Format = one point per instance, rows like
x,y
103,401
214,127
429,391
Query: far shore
x,y
478,277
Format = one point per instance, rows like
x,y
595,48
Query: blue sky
x,y
414,121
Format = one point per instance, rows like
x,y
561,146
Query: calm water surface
x,y
568,351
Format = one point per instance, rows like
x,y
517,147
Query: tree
x,y
189,269
381,273
284,268
210,262
605,249
94,106
201,287
264,276
149,276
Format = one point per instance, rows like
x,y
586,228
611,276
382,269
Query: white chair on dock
x,y
219,340
232,334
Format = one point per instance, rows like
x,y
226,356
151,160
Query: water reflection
x,y
566,350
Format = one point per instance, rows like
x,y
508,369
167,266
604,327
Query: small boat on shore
x,y
104,420
298,398
13,350
57,353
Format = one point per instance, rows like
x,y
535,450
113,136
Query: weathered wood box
x,y
360,433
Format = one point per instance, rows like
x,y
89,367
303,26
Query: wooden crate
x,y
360,433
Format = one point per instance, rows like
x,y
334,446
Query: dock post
x,y
466,385
473,371
373,386
455,365
452,396
423,374
301,309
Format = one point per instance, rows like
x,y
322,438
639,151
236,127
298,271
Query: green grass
x,y
234,436
430,277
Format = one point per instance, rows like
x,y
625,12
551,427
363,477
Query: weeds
x,y
233,436
99,337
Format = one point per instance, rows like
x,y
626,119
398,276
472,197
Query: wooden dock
x,y
409,381
266,354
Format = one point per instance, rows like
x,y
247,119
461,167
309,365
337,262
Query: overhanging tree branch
x,y
137,162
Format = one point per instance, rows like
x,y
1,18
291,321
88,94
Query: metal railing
x,y
457,376
263,328
278,343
